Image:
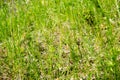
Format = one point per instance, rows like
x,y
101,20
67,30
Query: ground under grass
x,y
60,40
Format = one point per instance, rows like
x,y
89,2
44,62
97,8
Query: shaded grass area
x,y
60,39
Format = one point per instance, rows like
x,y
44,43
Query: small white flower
x,y
27,1
111,21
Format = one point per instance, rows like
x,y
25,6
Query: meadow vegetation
x,y
59,39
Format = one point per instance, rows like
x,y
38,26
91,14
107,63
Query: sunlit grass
x,y
60,39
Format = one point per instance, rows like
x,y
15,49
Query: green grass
x,y
60,40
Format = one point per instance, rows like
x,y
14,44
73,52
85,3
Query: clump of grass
x,y
53,39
